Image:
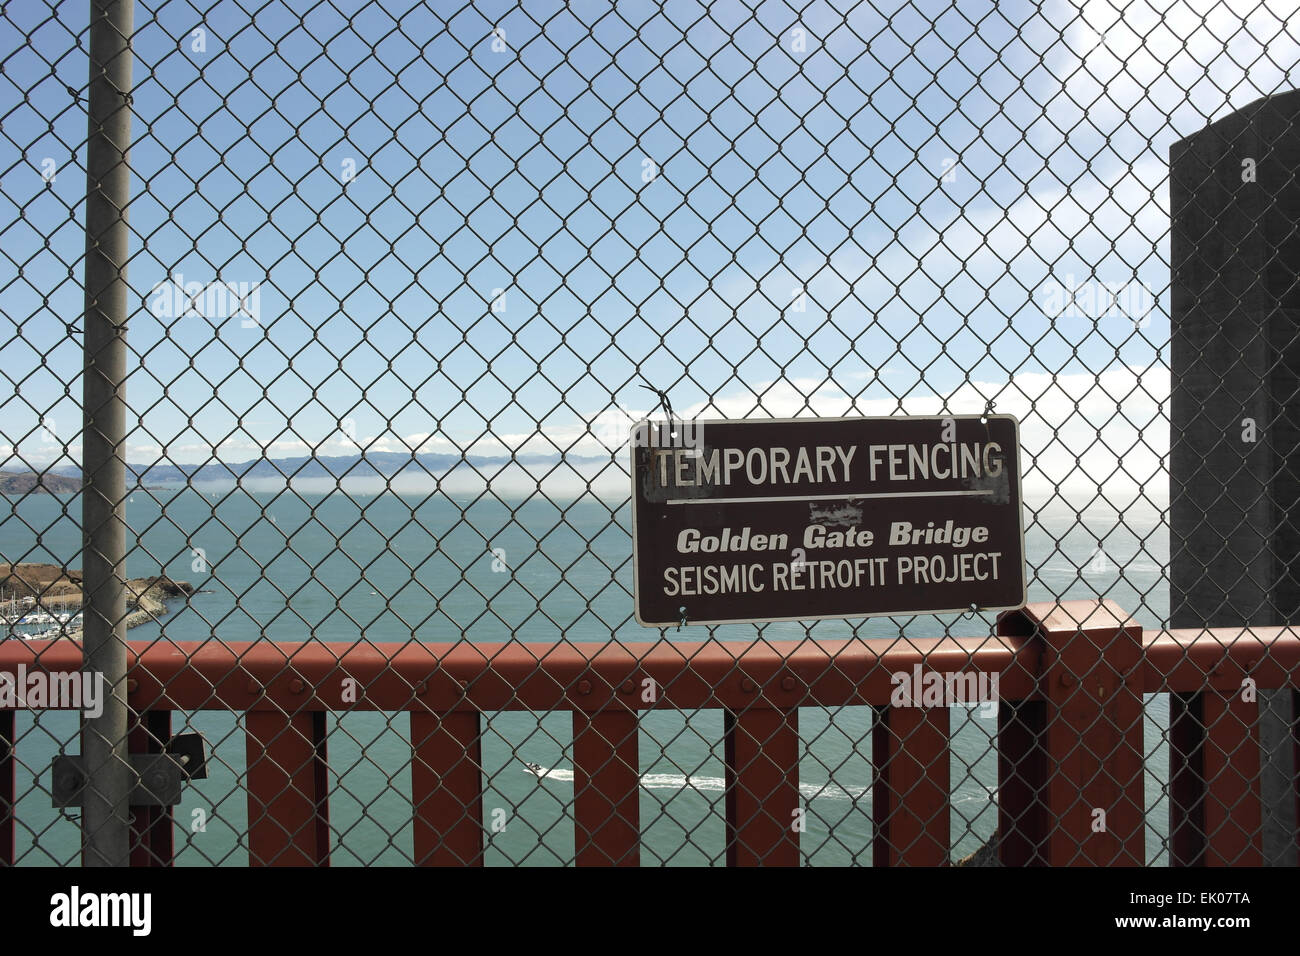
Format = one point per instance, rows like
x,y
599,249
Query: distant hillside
x,y
369,465
21,483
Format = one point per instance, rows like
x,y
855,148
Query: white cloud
x,y
1144,56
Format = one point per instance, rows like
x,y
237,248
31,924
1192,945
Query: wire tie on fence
x,y
663,401
682,619
987,420
79,97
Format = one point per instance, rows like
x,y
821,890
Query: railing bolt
x,y
132,685
1067,679
253,685
787,683
584,687
296,686
627,687
422,688
746,685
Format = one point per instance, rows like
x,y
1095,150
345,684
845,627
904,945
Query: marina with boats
x,y
29,618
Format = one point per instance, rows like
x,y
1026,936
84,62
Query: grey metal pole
x,y
105,813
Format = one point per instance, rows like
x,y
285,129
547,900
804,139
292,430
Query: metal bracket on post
x,y
160,777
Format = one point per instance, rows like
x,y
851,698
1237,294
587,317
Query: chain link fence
x,y
344,312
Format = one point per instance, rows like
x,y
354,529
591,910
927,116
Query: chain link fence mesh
x,y
401,278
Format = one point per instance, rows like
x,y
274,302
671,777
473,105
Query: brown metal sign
x,y
800,519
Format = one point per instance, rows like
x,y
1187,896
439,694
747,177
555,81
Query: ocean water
x,y
285,564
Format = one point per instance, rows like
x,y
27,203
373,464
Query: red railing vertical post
x,y
152,833
910,802
1023,823
606,788
1089,780
762,787
288,784
1233,810
1215,769
7,768
1295,737
447,788
1186,780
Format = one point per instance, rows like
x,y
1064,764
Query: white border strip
x,y
859,497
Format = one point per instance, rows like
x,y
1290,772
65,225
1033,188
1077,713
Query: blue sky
x,y
523,169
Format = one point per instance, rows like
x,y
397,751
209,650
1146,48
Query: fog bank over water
x,y
1088,440
611,482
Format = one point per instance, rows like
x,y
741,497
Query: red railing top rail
x,y
207,675
212,675
1190,659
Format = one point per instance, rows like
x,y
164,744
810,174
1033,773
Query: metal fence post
x,y
109,778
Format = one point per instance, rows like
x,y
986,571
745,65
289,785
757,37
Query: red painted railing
x,y
1070,741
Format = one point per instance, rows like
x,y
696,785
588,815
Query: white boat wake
x,y
702,784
